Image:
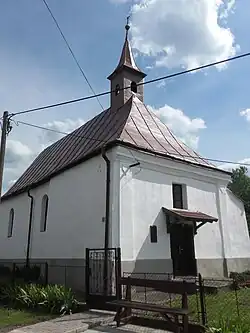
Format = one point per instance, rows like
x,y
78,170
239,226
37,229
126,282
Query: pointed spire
x,y
127,27
127,58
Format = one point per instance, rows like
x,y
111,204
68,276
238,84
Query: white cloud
x,y
15,150
246,114
66,126
188,34
231,166
185,128
19,155
11,182
161,84
227,7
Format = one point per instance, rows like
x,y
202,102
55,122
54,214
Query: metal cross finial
x,y
127,27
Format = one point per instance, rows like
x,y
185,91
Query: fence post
x,y
235,286
87,273
13,273
46,274
202,301
118,273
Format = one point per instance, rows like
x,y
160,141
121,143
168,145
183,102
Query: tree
x,y
240,186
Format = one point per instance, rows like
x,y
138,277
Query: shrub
x,y
240,277
52,298
8,294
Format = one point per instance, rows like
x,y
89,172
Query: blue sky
x,y
202,108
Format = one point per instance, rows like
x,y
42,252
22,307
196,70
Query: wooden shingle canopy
x,y
181,216
188,215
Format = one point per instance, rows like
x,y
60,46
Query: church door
x,y
182,250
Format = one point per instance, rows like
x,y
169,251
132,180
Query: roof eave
x,y
97,152
122,143
69,166
129,68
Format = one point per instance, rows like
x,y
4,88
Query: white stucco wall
x,y
237,242
75,215
14,247
147,188
77,207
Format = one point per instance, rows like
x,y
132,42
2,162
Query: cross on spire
x,y
127,60
127,27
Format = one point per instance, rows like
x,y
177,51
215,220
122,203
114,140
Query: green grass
x,y
15,318
222,306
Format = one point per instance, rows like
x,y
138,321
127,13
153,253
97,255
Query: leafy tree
x,y
240,186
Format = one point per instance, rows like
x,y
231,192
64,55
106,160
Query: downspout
x,y
225,267
107,220
29,229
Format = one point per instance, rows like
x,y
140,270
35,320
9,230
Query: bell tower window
x,y
133,87
126,80
117,90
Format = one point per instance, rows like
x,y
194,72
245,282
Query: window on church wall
x,y
44,213
177,190
153,234
11,222
117,89
133,87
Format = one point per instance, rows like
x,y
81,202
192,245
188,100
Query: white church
x,y
124,180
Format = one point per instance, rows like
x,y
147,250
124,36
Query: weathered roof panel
x,y
132,125
127,60
190,215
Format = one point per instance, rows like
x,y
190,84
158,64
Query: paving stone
x,y
75,323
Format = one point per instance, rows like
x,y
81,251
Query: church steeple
x,y
126,74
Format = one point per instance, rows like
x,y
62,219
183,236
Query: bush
x,y
53,299
240,277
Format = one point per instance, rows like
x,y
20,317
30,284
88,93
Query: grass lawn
x,y
226,305
14,318
229,305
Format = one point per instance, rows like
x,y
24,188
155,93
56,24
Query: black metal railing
x,y
217,302
11,272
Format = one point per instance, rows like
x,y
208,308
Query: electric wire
x,y
17,122
76,100
71,52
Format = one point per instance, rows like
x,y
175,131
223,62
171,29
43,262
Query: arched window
x,y
44,213
117,89
11,222
133,87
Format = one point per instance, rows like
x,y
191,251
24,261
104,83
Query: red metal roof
x,y
127,60
189,215
133,125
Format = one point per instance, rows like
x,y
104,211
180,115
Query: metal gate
x,y
103,268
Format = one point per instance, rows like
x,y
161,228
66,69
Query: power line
x,y
243,55
65,133
94,139
71,51
56,131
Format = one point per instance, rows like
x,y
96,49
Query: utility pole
x,y
6,128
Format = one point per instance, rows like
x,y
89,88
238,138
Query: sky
x,y
209,109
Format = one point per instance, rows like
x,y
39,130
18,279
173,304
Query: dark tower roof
x,y
127,58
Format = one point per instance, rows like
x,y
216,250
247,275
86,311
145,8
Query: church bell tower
x,y
126,75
